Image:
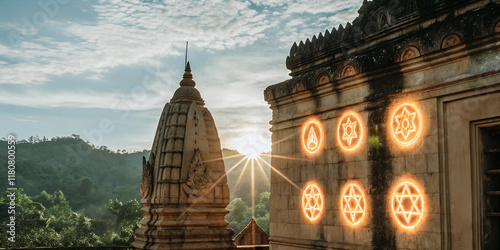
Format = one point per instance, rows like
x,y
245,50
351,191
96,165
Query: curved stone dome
x,y
187,92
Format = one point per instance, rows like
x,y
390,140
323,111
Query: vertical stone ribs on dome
x,y
184,184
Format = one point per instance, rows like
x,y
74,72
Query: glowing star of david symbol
x,y
349,131
312,202
406,123
312,136
353,204
407,205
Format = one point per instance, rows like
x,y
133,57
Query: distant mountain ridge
x,y
90,176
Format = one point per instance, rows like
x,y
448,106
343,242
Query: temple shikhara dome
x,y
184,187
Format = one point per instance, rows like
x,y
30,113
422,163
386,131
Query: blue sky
x,y
104,69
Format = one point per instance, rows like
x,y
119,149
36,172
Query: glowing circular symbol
x,y
312,136
406,123
407,205
349,131
353,204
312,202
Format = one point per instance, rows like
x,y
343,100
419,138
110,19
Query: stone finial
x,y
187,92
187,78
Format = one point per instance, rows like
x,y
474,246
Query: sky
x,y
104,69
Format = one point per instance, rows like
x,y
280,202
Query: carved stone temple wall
x,y
389,131
184,186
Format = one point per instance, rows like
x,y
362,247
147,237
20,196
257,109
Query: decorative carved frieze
x,y
450,40
409,52
199,176
147,176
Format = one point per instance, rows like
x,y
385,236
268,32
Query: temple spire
x,y
184,186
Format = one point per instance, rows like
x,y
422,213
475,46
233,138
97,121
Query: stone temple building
x,y
389,131
184,185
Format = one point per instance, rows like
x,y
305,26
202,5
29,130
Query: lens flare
x,y
252,145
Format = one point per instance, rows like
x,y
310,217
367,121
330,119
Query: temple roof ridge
x,y
374,17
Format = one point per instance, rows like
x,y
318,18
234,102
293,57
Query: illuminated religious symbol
x,y
312,140
312,136
349,131
353,204
312,202
406,123
407,205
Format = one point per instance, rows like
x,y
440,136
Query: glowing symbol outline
x,y
404,118
312,202
345,204
353,135
405,123
312,138
414,210
319,141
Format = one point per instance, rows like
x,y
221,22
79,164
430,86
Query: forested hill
x,y
89,176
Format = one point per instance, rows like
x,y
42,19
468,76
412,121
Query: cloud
x,y
129,33
121,55
24,119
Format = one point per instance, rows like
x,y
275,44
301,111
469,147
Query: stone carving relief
x,y
347,71
269,94
450,40
198,177
409,53
299,86
147,176
323,79
281,91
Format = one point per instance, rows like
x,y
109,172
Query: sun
x,y
252,145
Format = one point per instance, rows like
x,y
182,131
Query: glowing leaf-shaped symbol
x,y
312,136
312,140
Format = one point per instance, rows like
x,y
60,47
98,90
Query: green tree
x,y
31,226
80,233
127,216
262,211
239,214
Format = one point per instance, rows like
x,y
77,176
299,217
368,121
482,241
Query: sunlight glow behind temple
x,y
251,145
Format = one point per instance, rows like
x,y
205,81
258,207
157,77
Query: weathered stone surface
x,y
442,56
184,187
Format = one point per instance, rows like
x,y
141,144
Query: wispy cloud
x,y
129,33
24,119
123,55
